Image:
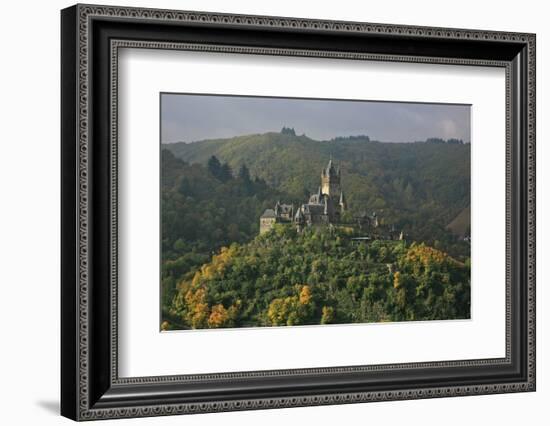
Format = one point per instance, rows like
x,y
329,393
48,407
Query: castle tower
x,y
330,181
342,202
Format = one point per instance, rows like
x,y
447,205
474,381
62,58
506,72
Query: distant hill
x,y
420,187
460,225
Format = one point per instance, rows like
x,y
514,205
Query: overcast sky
x,y
190,118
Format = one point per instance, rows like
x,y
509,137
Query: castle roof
x,y
317,198
314,209
268,213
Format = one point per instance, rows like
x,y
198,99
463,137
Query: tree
x,y
288,131
327,315
435,140
221,317
225,172
292,310
233,232
185,188
214,166
197,309
244,173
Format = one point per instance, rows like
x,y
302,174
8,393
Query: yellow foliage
x,y
348,230
278,311
218,316
199,315
192,297
217,265
327,315
290,310
196,279
305,295
425,255
197,308
396,282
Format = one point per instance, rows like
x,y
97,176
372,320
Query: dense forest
x,y
419,187
320,276
217,272
203,209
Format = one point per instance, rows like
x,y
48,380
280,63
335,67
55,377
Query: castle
x,y
326,207
323,208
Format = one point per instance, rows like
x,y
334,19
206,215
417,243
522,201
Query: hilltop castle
x,y
323,208
326,207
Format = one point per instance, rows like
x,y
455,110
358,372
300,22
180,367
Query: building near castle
x,y
282,213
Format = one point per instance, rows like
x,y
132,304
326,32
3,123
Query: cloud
x,y
448,128
190,118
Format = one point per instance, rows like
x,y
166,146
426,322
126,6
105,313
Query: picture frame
x,y
90,384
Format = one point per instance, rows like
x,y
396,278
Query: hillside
x,y
419,187
202,211
460,225
320,276
218,272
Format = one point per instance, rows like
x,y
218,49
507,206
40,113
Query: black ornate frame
x,y
91,37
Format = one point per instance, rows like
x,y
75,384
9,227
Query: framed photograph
x,y
263,212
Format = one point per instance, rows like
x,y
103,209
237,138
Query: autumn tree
x,y
292,310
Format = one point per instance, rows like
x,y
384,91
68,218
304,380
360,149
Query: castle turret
x,y
374,220
342,203
330,180
277,208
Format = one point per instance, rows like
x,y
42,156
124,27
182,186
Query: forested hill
x,y
204,208
420,187
320,276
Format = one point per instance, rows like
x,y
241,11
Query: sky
x,y
190,118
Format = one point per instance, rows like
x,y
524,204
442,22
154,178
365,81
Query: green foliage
x,y
291,310
203,209
419,187
244,174
321,276
460,225
220,171
214,166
